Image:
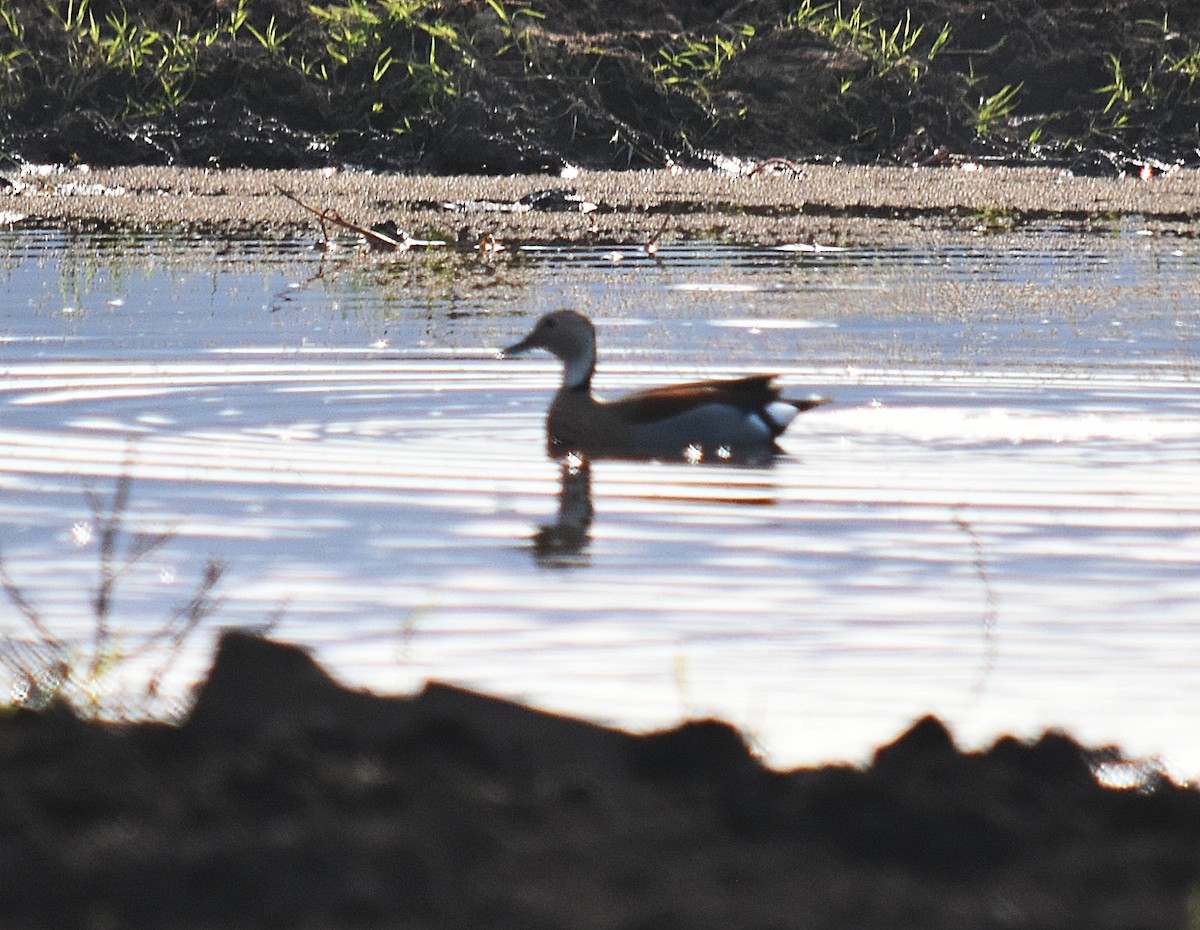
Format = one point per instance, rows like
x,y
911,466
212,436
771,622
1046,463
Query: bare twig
x,y
48,667
26,609
991,614
651,246
110,528
377,238
275,618
184,621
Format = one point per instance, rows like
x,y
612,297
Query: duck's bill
x,y
517,348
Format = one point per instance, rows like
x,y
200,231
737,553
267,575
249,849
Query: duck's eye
x,y
549,324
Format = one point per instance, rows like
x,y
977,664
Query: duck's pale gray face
x,y
569,336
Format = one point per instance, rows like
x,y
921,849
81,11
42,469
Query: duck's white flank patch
x,y
780,413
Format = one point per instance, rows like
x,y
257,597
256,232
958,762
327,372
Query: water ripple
x,y
997,519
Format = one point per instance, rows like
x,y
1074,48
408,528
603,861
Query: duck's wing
x,y
750,394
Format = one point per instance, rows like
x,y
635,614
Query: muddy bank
x,y
827,204
286,800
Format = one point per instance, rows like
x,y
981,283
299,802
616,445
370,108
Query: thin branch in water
x,y
377,238
289,291
275,618
185,620
26,609
144,545
113,566
110,528
651,246
991,614
48,667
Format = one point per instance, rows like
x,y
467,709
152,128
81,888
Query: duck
x,y
735,419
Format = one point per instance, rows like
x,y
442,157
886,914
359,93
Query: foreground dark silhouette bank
x,y
286,800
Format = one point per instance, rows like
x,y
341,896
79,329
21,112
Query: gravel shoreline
x,y
823,203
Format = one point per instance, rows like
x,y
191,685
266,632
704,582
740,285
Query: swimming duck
x,y
736,419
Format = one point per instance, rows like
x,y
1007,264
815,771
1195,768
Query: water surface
x,y
997,521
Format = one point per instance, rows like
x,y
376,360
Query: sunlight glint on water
x,y
997,521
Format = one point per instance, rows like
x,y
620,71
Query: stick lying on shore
x,y
376,238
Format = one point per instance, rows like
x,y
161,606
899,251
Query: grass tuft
x,y
49,669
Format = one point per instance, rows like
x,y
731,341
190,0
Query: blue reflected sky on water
x,y
997,520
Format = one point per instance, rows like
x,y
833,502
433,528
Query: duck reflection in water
x,y
564,541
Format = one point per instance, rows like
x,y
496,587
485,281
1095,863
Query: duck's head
x,y
568,335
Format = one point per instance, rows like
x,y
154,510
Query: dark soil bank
x,y
286,801
468,86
